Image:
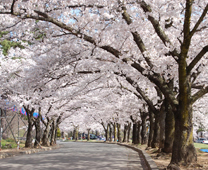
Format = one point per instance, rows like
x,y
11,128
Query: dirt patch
x,y
162,160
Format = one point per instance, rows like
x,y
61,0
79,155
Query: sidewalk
x,y
5,153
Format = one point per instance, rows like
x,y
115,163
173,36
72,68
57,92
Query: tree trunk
x,y
55,136
28,142
183,146
110,132
151,128
56,125
76,133
134,133
125,133
138,132
69,134
115,132
119,132
156,137
97,133
45,139
88,134
129,131
62,135
53,131
169,128
144,129
162,113
106,129
38,133
107,133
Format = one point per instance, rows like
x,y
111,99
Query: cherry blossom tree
x,y
162,40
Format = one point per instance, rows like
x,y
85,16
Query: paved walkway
x,y
77,155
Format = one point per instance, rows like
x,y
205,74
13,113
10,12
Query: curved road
x,y
77,155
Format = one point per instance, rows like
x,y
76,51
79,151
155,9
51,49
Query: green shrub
x,y
58,133
201,146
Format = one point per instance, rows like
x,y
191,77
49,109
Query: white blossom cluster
x,y
77,53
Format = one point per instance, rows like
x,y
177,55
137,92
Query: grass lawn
x,y
10,142
201,146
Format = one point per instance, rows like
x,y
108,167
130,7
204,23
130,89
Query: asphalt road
x,y
77,155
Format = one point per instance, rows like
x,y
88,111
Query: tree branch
x,y
199,94
159,30
137,37
139,90
196,59
186,25
136,94
195,86
12,6
44,17
155,23
199,21
158,80
12,25
79,6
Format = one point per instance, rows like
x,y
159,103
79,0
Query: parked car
x,y
91,136
202,140
103,139
100,138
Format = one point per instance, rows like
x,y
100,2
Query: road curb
x,y
25,152
148,160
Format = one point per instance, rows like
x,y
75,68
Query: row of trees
x,y
153,54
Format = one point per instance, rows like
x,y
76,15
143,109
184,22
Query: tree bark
x,y
144,128
97,133
138,132
183,146
28,142
107,133
110,135
156,139
115,132
129,131
169,128
55,136
151,128
53,131
62,135
38,132
125,133
45,139
119,132
88,134
76,133
162,113
56,124
134,133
